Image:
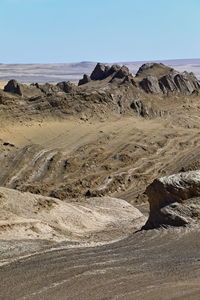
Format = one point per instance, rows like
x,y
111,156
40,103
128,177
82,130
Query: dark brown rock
x,y
14,87
66,86
113,69
84,80
150,84
122,72
100,72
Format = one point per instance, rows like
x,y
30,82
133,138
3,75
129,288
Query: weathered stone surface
x,y
154,69
47,88
86,78
122,72
99,72
151,85
102,71
174,200
160,79
186,83
14,87
130,79
167,84
66,86
139,107
113,69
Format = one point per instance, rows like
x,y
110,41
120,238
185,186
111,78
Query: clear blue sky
x,y
98,30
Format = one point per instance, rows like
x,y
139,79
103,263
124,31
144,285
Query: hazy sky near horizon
x,y
44,31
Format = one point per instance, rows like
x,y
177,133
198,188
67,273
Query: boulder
x,y
14,87
84,80
174,200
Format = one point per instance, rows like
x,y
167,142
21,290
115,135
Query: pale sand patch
x,y
2,84
29,216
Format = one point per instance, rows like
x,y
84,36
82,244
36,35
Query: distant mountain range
x,y
74,71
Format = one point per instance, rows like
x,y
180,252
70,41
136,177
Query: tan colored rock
x,y
174,200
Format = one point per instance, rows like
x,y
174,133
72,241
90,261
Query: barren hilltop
x,y
87,185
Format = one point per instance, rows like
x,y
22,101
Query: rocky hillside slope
x,y
111,135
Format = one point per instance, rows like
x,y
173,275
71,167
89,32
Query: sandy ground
x,y
117,157
28,216
155,264
2,84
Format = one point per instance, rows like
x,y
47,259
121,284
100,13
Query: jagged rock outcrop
x,y
23,90
86,78
14,87
160,79
99,72
102,71
113,69
174,200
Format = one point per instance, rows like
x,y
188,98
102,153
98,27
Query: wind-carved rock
x,y
174,200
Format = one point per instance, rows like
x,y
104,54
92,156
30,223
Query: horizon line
x,y
88,61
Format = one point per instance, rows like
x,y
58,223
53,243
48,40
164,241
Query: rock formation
x,y
99,72
66,86
102,71
14,87
47,88
86,78
160,79
150,84
174,200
